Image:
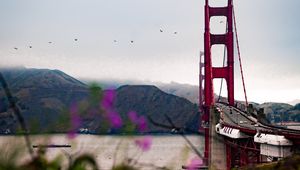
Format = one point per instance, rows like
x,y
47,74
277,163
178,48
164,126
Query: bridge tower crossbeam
x,y
210,72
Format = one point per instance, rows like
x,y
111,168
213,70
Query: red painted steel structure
x,y
239,152
211,72
201,81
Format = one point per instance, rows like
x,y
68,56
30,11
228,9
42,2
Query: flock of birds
x,y
160,30
115,41
50,42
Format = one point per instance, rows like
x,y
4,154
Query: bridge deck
x,y
232,116
238,119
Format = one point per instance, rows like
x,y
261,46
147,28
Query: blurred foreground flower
x,y
115,119
75,121
144,143
108,99
107,104
133,117
140,122
195,163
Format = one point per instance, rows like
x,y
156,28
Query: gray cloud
x,y
268,33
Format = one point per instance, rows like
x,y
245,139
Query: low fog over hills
x,y
275,112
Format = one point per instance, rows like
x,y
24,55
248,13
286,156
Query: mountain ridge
x,y
43,95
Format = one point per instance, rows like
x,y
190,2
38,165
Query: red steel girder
x,y
241,152
210,72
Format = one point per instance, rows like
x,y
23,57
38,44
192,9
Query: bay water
x,y
170,151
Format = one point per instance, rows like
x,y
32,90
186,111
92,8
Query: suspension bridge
x,y
236,134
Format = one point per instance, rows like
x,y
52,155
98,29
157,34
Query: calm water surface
x,y
170,151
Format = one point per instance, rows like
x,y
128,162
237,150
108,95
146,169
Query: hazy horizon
x,y
157,83
114,83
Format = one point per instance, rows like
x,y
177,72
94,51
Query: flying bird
x,y
175,32
15,48
115,41
131,41
75,39
30,46
49,42
161,30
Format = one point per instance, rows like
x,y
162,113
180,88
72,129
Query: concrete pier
x,y
217,148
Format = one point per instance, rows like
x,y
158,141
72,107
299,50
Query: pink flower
x,y
140,122
71,134
108,99
133,117
73,108
115,119
144,143
107,104
195,163
75,121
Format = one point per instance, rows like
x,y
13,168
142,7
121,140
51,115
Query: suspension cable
x,y
224,57
239,55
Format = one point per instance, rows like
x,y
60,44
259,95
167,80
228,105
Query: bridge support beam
x,y
228,156
211,72
241,152
226,39
217,148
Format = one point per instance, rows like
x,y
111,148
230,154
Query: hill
x,y
187,91
294,102
277,112
44,96
41,94
151,101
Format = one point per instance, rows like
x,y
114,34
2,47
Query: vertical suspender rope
x,y
224,56
239,54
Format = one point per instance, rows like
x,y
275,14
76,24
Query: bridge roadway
x,y
235,118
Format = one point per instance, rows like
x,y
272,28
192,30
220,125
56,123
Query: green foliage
x,y
129,127
83,162
288,163
9,156
40,162
9,161
95,93
124,167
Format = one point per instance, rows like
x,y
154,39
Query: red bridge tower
x,y
211,72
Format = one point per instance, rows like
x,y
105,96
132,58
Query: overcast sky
x,y
268,31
